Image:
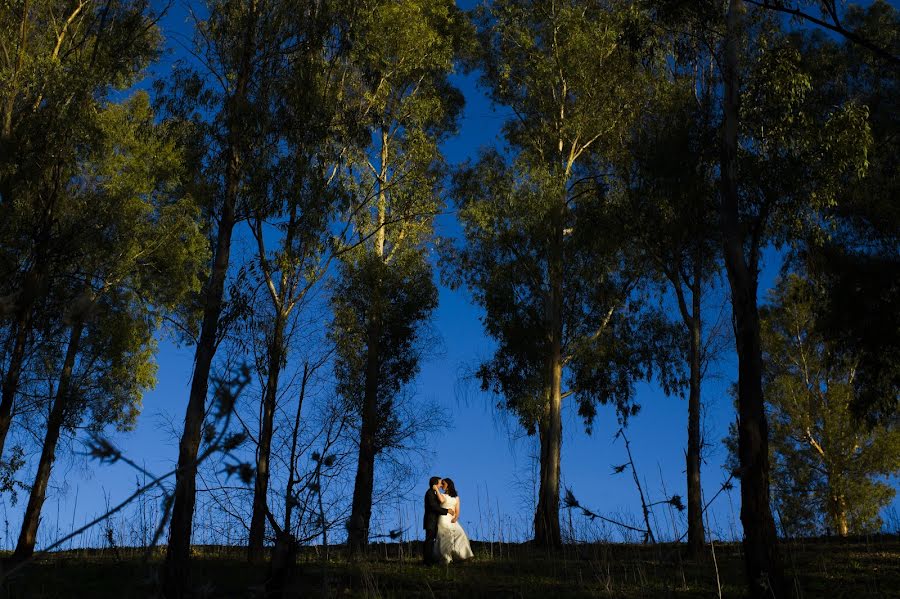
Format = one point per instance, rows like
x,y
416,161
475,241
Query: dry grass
x,y
854,568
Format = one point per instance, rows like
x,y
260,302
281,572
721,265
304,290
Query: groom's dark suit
x,y
433,510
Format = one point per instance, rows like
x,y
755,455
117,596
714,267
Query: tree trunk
x,y
292,472
364,484
176,570
361,510
32,287
31,519
694,494
256,552
762,564
837,509
546,517
179,547
21,326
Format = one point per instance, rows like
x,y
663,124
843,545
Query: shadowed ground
x,y
834,568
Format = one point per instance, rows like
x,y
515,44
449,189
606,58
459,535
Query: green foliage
x,y
545,255
137,247
796,153
401,57
857,256
829,469
96,226
403,296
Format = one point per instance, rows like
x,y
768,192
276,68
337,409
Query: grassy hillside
x,y
855,568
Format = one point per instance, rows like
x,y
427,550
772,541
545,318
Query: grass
x,y
834,568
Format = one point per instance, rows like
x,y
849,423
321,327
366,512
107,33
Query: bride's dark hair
x,y
451,487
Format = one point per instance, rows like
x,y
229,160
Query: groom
x,y
433,509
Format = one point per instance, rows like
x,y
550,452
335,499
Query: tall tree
x,y
402,58
300,202
829,465
669,176
857,255
140,251
542,255
59,61
782,157
241,46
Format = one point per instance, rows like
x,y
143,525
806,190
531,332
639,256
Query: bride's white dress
x,y
451,543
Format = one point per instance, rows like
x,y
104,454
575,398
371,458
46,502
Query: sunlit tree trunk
x,y
32,516
762,563
364,483
546,518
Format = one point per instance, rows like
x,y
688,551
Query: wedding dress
x,y
451,543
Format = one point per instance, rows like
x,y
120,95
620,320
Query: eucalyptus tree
x,y
831,468
543,254
226,98
58,62
401,57
838,18
784,156
140,251
857,256
298,206
668,172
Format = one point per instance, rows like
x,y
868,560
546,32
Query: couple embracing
x,y
445,539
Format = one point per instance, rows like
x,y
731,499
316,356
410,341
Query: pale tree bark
x,y
176,571
364,483
837,511
765,577
546,519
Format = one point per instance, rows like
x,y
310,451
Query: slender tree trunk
x,y
256,552
32,287
764,573
361,510
546,519
31,519
21,328
176,572
179,547
364,484
694,495
292,467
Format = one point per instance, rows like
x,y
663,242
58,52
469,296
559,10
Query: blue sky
x,y
480,448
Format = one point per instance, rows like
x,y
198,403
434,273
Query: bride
x,y
452,542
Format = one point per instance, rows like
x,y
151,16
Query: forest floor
x,y
833,568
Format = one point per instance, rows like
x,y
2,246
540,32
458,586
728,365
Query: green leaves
x,y
544,252
402,56
828,464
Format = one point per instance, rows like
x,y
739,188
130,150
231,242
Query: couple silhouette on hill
x,y
445,539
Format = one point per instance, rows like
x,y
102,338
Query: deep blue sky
x,y
483,451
